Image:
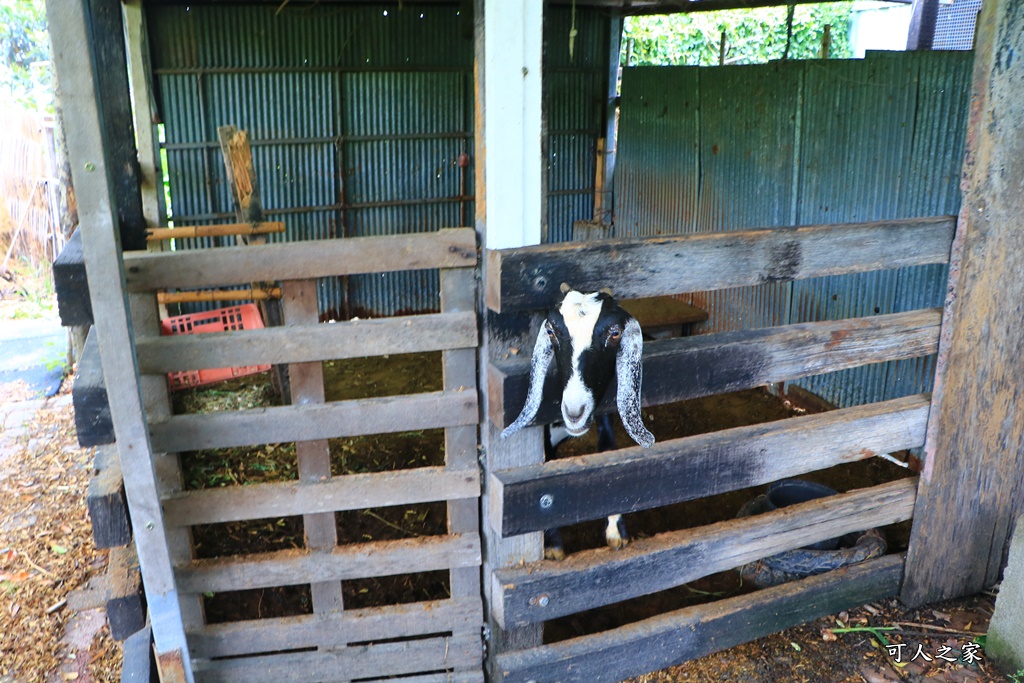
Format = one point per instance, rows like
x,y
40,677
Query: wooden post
x,y
107,27
721,50
925,14
314,457
151,178
510,217
973,478
73,40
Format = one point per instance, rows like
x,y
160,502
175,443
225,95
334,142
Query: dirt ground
x,y
46,548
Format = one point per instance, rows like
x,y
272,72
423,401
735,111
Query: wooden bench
x,y
661,317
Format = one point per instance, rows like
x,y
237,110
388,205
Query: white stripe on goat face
x,y
580,312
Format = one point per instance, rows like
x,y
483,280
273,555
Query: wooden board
x,y
332,630
138,665
595,486
648,565
676,637
108,508
352,339
72,285
357,561
973,478
126,605
74,43
690,367
350,492
119,124
332,420
448,248
528,278
363,661
93,423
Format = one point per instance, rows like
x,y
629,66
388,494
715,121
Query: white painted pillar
x,y
513,138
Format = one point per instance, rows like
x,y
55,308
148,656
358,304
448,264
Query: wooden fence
x,y
592,486
436,640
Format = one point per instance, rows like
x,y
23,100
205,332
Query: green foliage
x,y
23,40
752,36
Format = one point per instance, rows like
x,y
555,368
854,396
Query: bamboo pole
x,y
186,231
249,293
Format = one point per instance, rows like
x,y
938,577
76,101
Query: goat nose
x,y
575,416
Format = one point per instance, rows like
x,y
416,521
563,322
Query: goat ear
x,y
629,374
543,352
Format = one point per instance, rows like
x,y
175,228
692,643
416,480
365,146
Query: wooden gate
x,y
543,496
433,640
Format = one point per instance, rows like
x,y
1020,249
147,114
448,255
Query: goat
x,y
587,335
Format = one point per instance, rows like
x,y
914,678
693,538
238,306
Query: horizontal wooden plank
x,y
363,661
685,634
449,248
71,284
649,565
335,629
529,277
358,561
278,345
223,230
93,423
691,367
349,492
594,486
108,507
310,422
247,294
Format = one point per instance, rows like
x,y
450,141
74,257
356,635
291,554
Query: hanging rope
x,y
789,30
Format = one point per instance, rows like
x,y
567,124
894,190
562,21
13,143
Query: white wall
x,y
879,26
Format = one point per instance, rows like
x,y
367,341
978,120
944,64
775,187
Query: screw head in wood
x,y
543,600
546,501
90,167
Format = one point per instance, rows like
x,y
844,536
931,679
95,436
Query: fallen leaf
x,y
59,549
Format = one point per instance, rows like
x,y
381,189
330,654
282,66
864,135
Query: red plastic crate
x,y
244,317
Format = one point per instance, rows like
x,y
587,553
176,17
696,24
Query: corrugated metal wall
x,y
358,116
799,143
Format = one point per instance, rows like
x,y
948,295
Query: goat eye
x,y
614,332
551,332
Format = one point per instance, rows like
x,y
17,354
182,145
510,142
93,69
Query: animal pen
x,y
379,133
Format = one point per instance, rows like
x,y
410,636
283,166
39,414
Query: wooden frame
x,y
303,343
526,499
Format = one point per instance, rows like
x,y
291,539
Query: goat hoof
x,y
556,554
553,549
615,534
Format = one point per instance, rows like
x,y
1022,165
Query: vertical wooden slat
x,y
458,293
156,396
314,457
512,333
73,43
972,486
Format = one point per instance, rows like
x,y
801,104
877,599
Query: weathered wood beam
x,y
107,25
571,490
351,339
691,367
357,561
385,660
93,424
529,277
72,285
334,420
85,104
126,603
448,248
648,565
972,486
334,630
350,492
108,508
676,637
